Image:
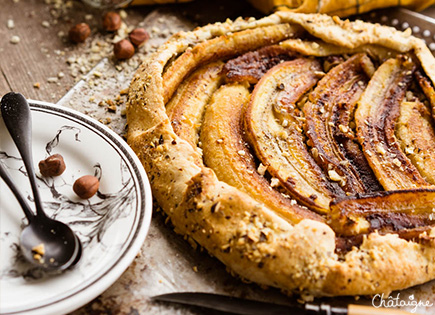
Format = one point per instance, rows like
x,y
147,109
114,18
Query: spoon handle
x,y
22,201
17,118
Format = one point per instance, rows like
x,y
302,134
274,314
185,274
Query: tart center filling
x,y
344,139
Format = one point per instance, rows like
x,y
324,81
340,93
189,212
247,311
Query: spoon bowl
x,y
49,244
45,242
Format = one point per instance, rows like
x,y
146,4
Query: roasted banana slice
x,y
416,134
226,152
274,129
328,113
253,65
388,211
186,108
375,119
225,46
427,88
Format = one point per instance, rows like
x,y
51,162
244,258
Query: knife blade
x,y
230,304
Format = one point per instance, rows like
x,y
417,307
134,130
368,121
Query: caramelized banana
x,y
228,155
328,113
427,88
375,118
416,134
253,65
280,144
186,108
387,211
223,47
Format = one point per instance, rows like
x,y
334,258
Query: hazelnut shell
x,y
79,32
86,186
138,36
123,49
54,165
112,21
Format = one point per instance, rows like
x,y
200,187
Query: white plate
x,y
112,225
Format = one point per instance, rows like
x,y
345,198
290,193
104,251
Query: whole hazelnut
x,y
138,36
86,186
79,32
123,49
111,21
54,165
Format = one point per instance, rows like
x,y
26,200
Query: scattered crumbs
x,y
123,14
381,149
39,252
274,182
14,39
195,268
10,24
343,129
397,162
285,123
39,249
333,175
52,80
262,169
124,91
409,150
111,106
36,85
45,24
97,74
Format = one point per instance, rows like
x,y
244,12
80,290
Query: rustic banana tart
x,y
298,149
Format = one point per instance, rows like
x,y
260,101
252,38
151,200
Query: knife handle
x,y
369,310
326,309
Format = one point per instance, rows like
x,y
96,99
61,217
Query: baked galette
x,y
298,149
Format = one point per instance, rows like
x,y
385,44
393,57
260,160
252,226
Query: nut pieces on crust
x,y
305,248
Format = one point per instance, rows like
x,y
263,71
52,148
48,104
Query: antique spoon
x,y
47,243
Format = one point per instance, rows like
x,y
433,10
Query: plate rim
x,y
94,288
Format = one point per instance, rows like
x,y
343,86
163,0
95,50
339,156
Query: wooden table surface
x,y
44,66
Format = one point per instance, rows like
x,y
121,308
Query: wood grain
x,y
41,52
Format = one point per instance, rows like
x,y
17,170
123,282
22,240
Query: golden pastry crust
x,y
254,241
